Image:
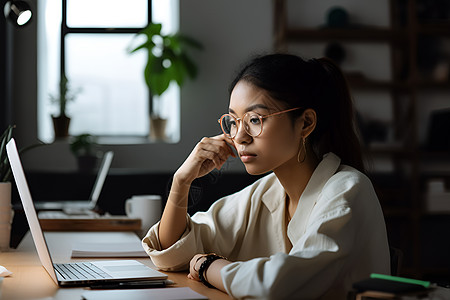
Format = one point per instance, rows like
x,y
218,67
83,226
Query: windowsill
x,y
123,140
131,140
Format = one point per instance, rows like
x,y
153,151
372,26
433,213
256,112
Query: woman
x,y
308,229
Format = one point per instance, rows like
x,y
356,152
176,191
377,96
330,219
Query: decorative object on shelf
x,y
65,95
83,146
337,17
168,61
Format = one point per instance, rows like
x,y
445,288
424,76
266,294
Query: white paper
x,y
145,294
85,249
4,272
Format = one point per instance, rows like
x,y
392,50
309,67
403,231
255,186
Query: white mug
x,y
148,208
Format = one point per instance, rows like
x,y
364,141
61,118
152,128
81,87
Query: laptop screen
x,y
30,211
103,171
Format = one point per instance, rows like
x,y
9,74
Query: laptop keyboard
x,y
81,270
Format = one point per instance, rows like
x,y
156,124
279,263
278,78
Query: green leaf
x,y
147,45
155,76
152,29
171,47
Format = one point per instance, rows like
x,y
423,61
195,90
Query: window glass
x,y
107,13
113,97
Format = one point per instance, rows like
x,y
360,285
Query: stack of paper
x,y
145,294
83,249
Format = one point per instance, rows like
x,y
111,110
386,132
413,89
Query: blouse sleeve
x,y
317,257
213,231
343,240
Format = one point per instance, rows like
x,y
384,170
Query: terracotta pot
x,y
61,126
158,128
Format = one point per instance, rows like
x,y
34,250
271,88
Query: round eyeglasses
x,y
252,121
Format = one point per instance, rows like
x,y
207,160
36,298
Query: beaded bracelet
x,y
204,266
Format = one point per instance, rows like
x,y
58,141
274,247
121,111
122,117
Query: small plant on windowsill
x,y
84,148
65,95
167,62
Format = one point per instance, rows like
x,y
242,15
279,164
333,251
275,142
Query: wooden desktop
x,y
30,280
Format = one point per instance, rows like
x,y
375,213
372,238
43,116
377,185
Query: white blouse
x,y
337,233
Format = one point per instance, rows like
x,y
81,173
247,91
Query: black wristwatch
x,y
204,266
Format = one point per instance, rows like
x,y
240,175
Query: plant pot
x,y
86,163
6,215
61,126
158,128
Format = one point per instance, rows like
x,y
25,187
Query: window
x,y
112,99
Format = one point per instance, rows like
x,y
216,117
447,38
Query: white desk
x,y
31,281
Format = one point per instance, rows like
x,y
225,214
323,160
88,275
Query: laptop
x,y
77,273
82,206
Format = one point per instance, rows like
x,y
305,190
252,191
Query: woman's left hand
x,y
194,266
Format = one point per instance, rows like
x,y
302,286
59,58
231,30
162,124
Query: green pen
x,y
425,284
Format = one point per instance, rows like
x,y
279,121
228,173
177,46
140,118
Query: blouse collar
x,y
326,168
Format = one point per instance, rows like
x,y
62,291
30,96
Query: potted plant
x,y
5,184
84,146
6,211
65,95
5,168
168,62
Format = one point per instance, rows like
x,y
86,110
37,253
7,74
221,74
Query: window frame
x,y
65,30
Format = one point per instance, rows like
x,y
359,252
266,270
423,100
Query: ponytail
x,y
338,132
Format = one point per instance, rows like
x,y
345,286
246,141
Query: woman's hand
x,y
194,266
211,274
210,153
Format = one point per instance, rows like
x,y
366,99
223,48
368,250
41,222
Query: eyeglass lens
x,y
251,121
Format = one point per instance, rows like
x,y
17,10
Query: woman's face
x,y
277,145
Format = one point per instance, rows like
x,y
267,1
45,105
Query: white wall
x,y
230,31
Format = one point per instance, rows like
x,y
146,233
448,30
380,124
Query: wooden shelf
x,y
435,85
343,34
363,83
435,155
440,29
402,197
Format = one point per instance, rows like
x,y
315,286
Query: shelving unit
x,y
402,190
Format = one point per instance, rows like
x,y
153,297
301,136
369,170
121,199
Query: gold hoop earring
x,y
303,147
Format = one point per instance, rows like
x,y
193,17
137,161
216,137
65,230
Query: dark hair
x,y
317,84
